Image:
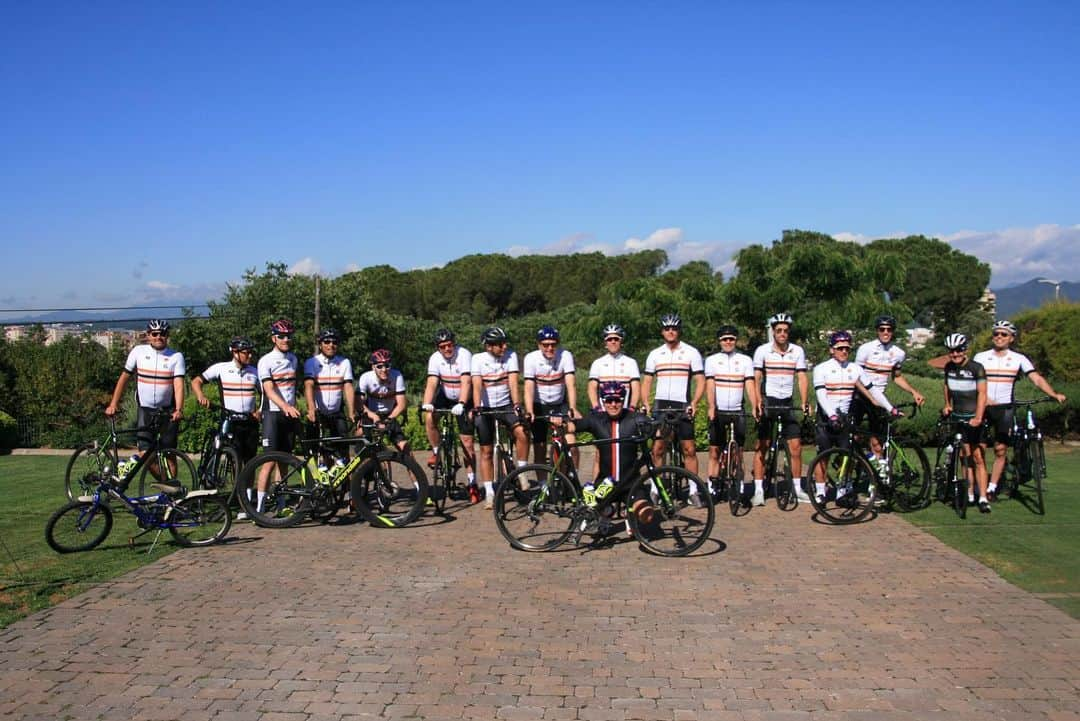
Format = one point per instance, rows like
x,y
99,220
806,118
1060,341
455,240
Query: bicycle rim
x,y
87,467
909,474
200,520
732,470
389,490
287,481
78,526
782,481
534,507
1038,473
849,484
665,522
174,468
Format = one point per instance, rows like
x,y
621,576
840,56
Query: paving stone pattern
x,y
779,618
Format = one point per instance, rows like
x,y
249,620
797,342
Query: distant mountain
x,y
124,318
1032,294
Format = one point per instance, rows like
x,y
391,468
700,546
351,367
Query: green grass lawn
x,y
32,575
1038,553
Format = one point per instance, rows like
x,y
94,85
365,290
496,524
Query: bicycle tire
x,y
1038,473
534,507
445,476
909,475
87,468
844,470
226,465
203,520
288,488
783,480
184,475
732,475
78,526
674,527
389,490
958,483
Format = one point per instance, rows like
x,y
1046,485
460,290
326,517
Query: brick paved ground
x,y
783,618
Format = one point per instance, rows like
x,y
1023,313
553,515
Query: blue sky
x,y
153,152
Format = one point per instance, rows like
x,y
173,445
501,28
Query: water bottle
x,y
588,492
604,488
339,464
321,471
1030,420
125,466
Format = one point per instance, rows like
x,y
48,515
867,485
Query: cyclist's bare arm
x,y
196,388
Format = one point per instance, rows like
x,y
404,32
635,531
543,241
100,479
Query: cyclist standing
x,y
238,382
159,386
549,387
729,375
382,391
449,386
673,364
614,365
1004,366
777,366
965,399
280,417
331,375
495,387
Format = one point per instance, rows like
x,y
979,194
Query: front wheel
x,y
1038,473
849,485
782,479
221,473
78,526
287,482
168,467
732,475
199,520
662,516
958,466
389,490
534,507
445,476
88,466
909,474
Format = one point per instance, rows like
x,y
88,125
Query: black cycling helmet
x,y
614,329
727,331
444,335
670,320
329,334
547,333
239,343
281,326
838,337
885,320
493,336
610,390
159,325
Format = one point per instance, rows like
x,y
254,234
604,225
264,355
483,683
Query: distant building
x,y
988,302
55,332
919,337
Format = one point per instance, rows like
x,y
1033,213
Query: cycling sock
x,y
435,449
489,488
759,485
992,488
261,495
472,478
820,488
520,463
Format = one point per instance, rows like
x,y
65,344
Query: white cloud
x,y
1016,255
306,266
160,285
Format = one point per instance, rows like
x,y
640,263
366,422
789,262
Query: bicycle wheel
x,y
199,520
174,468
958,483
534,507
667,523
782,480
849,485
288,489
389,490
78,526
445,477
226,465
732,475
909,474
88,465
1038,473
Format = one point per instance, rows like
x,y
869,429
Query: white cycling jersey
x,y
451,373
281,369
1002,372
834,385
779,368
494,374
672,368
332,376
379,396
615,367
549,375
880,361
238,384
729,372
154,372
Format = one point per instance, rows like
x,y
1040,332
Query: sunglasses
x,y
329,342
727,338
548,344
613,400
443,346
1002,335
283,336
380,366
958,352
671,327
157,334
844,348
613,339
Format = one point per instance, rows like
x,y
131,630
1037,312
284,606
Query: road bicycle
x,y
99,460
951,468
447,462
220,459
1025,468
502,459
732,474
387,487
669,422
539,507
778,472
193,518
849,479
902,467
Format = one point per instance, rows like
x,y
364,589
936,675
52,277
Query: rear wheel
x,y
1038,473
782,480
849,485
909,473
445,476
88,466
199,520
225,467
168,467
534,507
389,490
958,483
732,472
663,519
287,481
78,526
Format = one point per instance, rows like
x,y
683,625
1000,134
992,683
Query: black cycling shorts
x,y
147,418
1000,419
684,426
465,424
789,427
485,424
718,432
279,431
539,426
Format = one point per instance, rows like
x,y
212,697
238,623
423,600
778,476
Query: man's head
x,y
1003,335
157,333
445,342
614,335
612,397
242,349
781,327
840,345
380,363
957,345
726,336
547,340
281,333
494,340
886,328
670,327
329,340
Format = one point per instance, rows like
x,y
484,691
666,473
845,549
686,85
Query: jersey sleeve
x,y
800,360
132,358
179,366
650,364
1026,366
567,361
433,364
211,374
759,358
399,384
529,367
311,369
697,365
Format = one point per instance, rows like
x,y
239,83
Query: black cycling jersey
x,y
963,384
617,460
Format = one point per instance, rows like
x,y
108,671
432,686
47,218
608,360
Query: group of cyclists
x,y
485,388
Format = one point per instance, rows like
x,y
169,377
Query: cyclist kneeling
x,y
382,392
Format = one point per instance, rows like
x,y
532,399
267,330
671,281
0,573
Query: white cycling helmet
x,y
780,318
614,329
1005,326
956,341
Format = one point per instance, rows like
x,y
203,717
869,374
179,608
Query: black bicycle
x,y
447,462
731,472
778,473
220,459
951,467
1025,469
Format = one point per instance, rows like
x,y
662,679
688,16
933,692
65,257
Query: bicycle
x,y
850,481
539,507
447,462
99,460
950,474
673,453
732,473
220,459
388,488
1025,468
903,468
502,459
193,518
778,472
